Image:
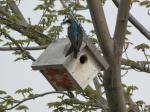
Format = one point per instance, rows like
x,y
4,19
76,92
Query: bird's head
x,y
68,21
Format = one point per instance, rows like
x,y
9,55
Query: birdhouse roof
x,y
55,54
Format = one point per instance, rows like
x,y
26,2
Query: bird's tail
x,y
69,51
75,53
72,49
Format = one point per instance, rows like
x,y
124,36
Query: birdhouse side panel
x,y
61,80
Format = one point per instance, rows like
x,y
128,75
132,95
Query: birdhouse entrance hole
x,y
83,59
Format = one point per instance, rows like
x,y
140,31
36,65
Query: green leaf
x,y
103,1
140,103
3,2
92,94
61,97
145,3
54,104
2,92
9,100
142,46
147,107
32,95
94,40
77,5
130,90
143,62
2,108
54,31
1,40
62,12
39,7
128,32
26,90
22,107
59,109
81,18
72,101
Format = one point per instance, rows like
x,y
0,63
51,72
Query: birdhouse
x,y
68,73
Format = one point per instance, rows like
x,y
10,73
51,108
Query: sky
x,y
16,75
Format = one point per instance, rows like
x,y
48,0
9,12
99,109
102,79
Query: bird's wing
x,y
72,34
79,37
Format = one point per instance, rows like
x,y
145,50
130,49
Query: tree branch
x,y
31,33
136,23
121,25
25,48
63,3
101,28
112,76
135,65
18,46
3,99
34,97
4,12
17,12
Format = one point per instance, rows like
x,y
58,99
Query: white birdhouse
x,y
68,73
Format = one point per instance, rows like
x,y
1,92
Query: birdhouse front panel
x,y
84,68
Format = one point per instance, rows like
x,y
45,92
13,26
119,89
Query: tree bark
x,y
112,50
101,28
17,12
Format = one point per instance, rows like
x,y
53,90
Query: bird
x,y
75,35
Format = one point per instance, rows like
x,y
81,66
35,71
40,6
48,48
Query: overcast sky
x,y
15,75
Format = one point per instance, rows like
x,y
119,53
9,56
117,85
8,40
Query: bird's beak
x,y
64,22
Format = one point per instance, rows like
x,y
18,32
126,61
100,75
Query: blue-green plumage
x,y
75,35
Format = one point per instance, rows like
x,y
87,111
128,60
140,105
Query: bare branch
x,y
25,48
136,23
34,97
148,12
97,85
126,68
148,68
18,46
3,99
17,12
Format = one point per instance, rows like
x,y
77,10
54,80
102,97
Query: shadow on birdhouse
x,y
68,73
